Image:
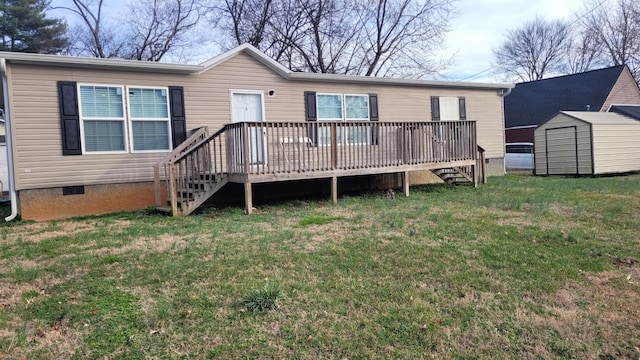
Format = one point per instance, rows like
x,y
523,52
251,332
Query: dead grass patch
x,y
162,243
59,339
602,314
40,231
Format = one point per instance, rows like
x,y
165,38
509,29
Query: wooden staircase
x,y
192,173
456,175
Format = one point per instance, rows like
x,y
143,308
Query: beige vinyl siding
x,y
616,148
560,141
34,104
624,91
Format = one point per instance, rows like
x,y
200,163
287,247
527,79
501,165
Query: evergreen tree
x,y
24,27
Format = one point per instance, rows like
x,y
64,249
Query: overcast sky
x,y
482,24
479,27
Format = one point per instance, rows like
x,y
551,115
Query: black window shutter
x,y
373,116
310,111
435,108
463,108
311,114
178,119
69,118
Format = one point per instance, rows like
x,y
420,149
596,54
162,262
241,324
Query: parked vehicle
x,y
519,156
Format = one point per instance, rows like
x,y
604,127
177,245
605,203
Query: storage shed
x,y
587,143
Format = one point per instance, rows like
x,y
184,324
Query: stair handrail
x,y
185,145
180,177
189,142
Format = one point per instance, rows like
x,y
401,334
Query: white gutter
x,y
7,125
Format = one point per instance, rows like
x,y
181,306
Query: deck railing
x,y
274,148
242,150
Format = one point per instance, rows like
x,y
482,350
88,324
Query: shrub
x,y
264,299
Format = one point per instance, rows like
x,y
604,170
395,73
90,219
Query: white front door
x,y
248,107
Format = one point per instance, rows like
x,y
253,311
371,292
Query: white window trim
x,y
243,91
344,136
366,96
131,119
341,107
343,101
123,120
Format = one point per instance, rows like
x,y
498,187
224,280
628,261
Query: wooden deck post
x,y
474,171
334,190
405,183
483,167
248,197
174,189
156,184
246,148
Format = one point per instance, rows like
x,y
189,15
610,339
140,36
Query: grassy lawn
x,y
523,267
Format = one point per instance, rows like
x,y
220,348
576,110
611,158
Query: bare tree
x,y
582,54
94,37
375,38
400,33
159,26
536,49
615,32
153,28
245,20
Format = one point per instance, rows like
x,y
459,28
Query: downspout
x,y
504,92
9,141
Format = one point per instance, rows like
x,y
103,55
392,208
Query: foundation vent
x,y
73,190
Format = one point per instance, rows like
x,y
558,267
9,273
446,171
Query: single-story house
x,y
587,143
534,102
91,136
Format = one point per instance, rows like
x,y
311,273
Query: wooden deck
x,y
275,151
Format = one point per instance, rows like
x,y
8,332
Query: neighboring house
x,y
587,143
87,133
632,111
532,103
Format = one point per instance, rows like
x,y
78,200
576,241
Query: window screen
x,y
102,111
101,102
104,135
330,107
149,111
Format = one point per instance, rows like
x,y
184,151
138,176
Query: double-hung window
x,y
119,119
103,122
348,107
149,116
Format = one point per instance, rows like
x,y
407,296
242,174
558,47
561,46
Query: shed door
x,y
562,151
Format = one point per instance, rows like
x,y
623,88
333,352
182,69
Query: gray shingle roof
x,y
533,102
632,111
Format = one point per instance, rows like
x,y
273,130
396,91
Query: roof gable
x,y
532,103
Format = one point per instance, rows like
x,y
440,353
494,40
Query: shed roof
x,y
146,66
601,118
533,102
632,111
